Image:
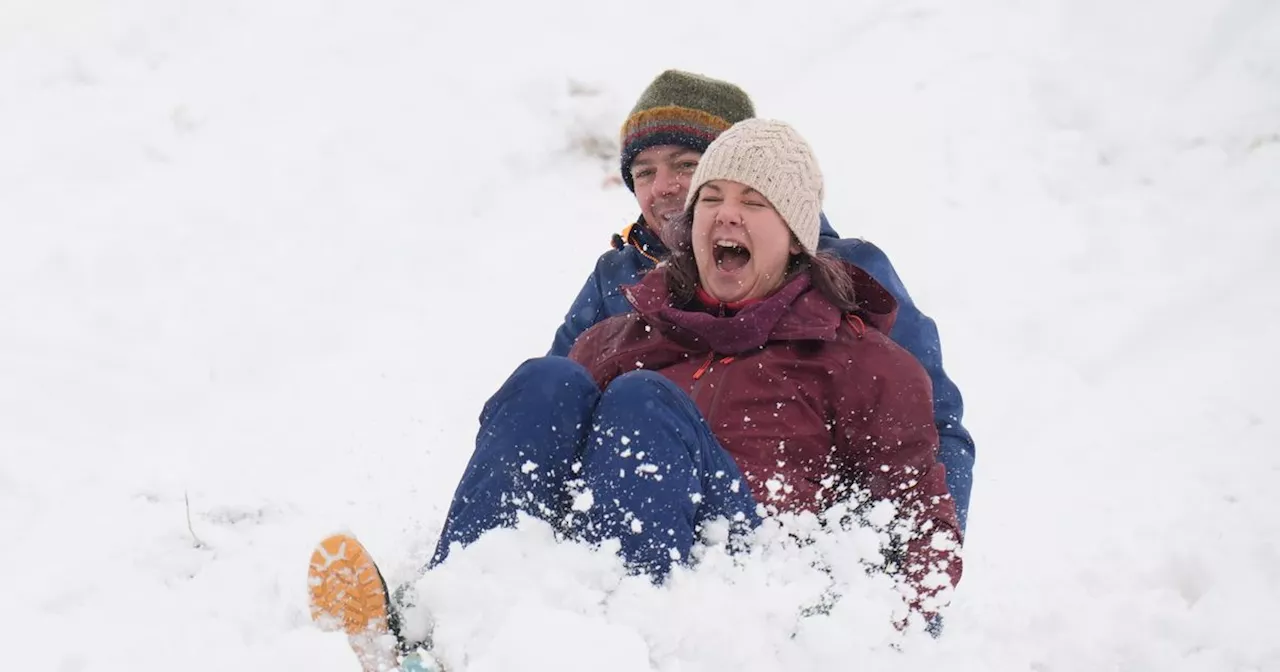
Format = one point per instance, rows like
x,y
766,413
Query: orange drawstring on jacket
x,y
711,357
859,327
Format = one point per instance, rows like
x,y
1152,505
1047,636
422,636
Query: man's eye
x,y
687,166
642,174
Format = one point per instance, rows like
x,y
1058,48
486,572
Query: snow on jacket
x,y
812,404
638,249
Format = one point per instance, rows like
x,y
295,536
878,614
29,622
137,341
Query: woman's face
x,y
741,244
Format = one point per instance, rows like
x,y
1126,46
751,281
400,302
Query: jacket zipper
x,y
700,383
702,371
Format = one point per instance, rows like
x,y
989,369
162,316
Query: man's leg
x,y
656,474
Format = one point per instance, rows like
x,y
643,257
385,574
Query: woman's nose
x,y
729,213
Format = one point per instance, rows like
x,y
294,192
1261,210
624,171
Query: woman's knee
x,y
553,373
648,387
546,378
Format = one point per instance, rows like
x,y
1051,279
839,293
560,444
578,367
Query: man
x,y
663,138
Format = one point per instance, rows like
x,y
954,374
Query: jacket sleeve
x,y
889,448
587,310
916,332
597,348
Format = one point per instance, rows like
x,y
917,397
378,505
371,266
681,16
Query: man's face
x,y
661,175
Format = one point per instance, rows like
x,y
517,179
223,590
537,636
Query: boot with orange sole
x,y
349,594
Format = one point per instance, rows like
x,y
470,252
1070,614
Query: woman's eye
x,y
709,199
754,204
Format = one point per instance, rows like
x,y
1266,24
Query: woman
x,y
754,377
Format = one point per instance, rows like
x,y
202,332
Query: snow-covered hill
x,y
269,258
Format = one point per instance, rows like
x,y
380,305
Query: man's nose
x,y
666,183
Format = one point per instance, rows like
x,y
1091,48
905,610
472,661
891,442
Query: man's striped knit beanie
x,y
681,108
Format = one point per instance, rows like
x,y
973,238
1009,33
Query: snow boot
x,y
348,594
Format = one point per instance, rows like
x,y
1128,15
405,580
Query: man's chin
x,y
662,219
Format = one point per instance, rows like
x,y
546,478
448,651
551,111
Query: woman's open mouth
x,y
730,256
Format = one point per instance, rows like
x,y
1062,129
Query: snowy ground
x,y
271,256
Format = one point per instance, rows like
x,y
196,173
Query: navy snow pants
x,y
635,462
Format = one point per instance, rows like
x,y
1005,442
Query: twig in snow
x,y
187,499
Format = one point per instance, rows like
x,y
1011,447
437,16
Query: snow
x,y
269,259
